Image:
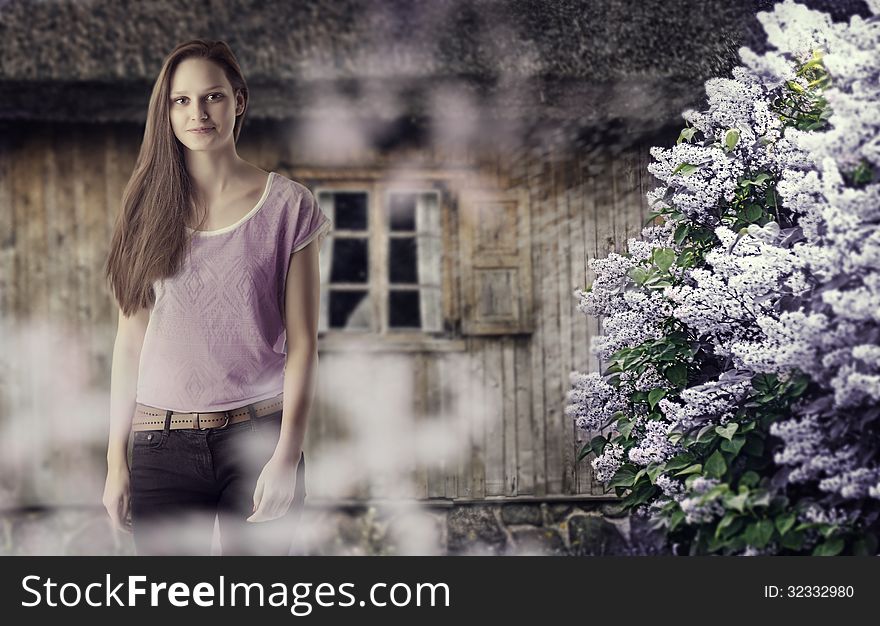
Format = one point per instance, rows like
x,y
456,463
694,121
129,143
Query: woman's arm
x,y
275,491
123,390
123,381
302,302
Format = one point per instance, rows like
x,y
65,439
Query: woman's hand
x,y
117,496
276,488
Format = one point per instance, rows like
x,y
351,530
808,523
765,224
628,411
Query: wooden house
x,y
474,156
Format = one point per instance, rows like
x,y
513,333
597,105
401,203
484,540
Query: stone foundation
x,y
574,527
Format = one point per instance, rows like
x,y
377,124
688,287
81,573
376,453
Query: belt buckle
x,y
199,424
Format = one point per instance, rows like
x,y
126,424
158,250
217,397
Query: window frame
x,y
382,337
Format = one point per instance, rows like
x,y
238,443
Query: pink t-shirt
x,y
216,338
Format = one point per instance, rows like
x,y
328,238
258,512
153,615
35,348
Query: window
x,y
381,265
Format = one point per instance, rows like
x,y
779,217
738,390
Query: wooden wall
x,y
59,192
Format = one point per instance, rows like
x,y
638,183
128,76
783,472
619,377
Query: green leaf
x,y
754,212
638,274
715,465
676,374
828,530
670,353
663,258
585,450
759,533
680,233
737,502
686,134
797,386
749,479
863,174
651,217
793,540
654,470
731,138
831,547
728,430
655,396
706,434
679,462
724,523
693,469
763,499
597,444
686,169
759,180
734,445
764,383
784,522
624,477
676,518
685,258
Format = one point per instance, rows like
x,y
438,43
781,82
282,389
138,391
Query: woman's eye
x,y
219,97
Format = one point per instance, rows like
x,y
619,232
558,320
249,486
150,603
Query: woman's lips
x,y
202,131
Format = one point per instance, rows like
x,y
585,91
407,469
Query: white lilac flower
x,y
852,484
671,488
764,305
607,464
817,514
796,29
650,379
788,342
654,446
853,388
591,401
611,279
769,549
705,403
697,193
697,508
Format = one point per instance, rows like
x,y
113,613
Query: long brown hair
x,y
149,239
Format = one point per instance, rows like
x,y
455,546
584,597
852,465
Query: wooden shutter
x,y
326,202
430,254
496,268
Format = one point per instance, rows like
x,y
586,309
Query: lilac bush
x,y
742,332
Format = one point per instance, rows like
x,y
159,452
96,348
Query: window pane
x,y
349,264
351,210
403,309
402,260
402,212
349,309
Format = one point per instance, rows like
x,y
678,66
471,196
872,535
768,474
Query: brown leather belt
x,y
151,418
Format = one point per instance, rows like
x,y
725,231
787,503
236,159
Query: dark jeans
x,y
181,479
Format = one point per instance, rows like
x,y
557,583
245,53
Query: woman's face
x,y
201,96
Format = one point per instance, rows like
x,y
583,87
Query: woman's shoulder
x,y
297,189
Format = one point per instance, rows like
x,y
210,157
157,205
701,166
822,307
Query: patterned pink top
x,y
216,338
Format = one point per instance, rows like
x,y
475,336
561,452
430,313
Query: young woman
x,y
214,265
